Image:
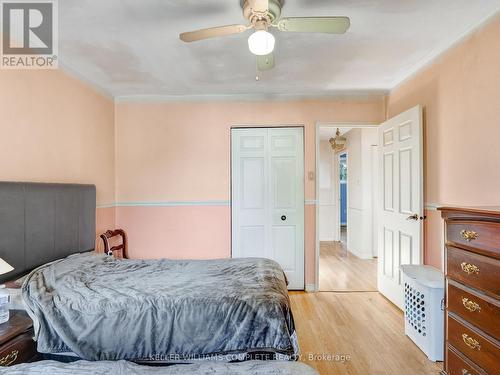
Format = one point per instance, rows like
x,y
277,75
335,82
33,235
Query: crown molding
x,y
338,94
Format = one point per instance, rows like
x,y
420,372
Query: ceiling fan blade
x,y
330,25
261,6
265,62
213,32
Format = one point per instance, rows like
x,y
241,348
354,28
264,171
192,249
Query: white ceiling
x,y
131,47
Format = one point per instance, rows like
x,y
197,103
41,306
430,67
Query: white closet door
x,y
268,197
249,199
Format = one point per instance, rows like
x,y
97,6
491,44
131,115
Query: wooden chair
x,y
118,251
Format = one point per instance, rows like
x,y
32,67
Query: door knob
x,y
415,217
283,217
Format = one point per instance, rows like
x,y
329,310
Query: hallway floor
x,y
340,270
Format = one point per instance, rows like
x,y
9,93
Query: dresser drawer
x,y
474,270
20,349
476,234
483,351
482,312
459,365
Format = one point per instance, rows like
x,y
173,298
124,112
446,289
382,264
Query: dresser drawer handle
x,y
469,235
465,372
471,305
9,358
470,268
471,343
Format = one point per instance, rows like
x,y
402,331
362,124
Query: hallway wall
x,y
328,204
360,191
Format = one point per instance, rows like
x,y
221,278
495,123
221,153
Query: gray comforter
x,y
102,308
127,368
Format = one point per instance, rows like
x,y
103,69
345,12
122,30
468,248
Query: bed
x,y
128,368
97,307
103,308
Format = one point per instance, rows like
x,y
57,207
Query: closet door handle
x,y
283,217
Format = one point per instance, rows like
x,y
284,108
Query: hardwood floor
x,y
354,329
363,326
340,270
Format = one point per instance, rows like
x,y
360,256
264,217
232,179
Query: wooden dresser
x,y
472,261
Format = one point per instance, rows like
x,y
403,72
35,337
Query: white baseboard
x,y
361,255
364,255
311,288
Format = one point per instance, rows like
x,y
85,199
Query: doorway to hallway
x,y
346,259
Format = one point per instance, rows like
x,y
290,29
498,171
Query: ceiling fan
x,y
262,15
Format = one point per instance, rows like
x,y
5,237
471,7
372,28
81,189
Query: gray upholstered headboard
x,y
40,223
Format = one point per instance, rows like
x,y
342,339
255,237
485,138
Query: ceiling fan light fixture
x,y
261,43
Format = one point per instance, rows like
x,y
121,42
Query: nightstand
x,y
16,340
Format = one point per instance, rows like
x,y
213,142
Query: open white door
x,y
401,206
268,197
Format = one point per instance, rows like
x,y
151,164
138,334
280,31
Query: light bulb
x,y
261,43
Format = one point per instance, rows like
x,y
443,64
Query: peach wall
x,y
460,93
56,129
105,219
310,243
180,152
433,238
182,232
